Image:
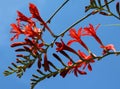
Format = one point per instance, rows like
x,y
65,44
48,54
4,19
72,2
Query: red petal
x,y
39,63
46,65
75,72
22,17
82,54
82,72
64,72
108,47
80,32
33,10
89,67
70,63
15,29
70,42
18,44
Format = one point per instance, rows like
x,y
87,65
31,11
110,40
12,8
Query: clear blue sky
x,y
105,74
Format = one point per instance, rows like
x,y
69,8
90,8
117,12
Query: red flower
x,y
87,60
91,31
64,72
46,64
35,46
75,69
72,68
22,17
16,29
18,44
76,37
32,32
62,46
108,48
28,30
35,14
34,11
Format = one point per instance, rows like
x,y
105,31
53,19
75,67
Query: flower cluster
x,y
35,48
33,42
85,60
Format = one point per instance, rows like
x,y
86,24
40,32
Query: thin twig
x,y
49,20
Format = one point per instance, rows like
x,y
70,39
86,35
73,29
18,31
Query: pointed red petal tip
x,y
15,28
22,17
46,64
89,67
108,48
82,72
39,63
33,10
18,44
73,33
64,72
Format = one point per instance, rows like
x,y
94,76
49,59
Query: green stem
x,y
80,20
114,15
48,21
109,53
62,34
69,67
108,10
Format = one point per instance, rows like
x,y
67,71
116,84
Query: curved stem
x,y
108,10
54,73
80,20
114,15
49,20
62,34
109,53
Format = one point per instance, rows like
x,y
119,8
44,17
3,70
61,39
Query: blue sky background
x,y
105,74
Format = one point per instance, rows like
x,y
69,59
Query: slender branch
x,y
109,53
49,20
62,34
114,15
80,20
111,14
39,79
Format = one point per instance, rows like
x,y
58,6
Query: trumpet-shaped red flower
x,y
108,48
46,64
76,37
62,46
80,64
16,30
35,14
27,30
75,69
72,68
64,72
33,45
22,17
91,31
34,11
15,44
87,60
32,32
